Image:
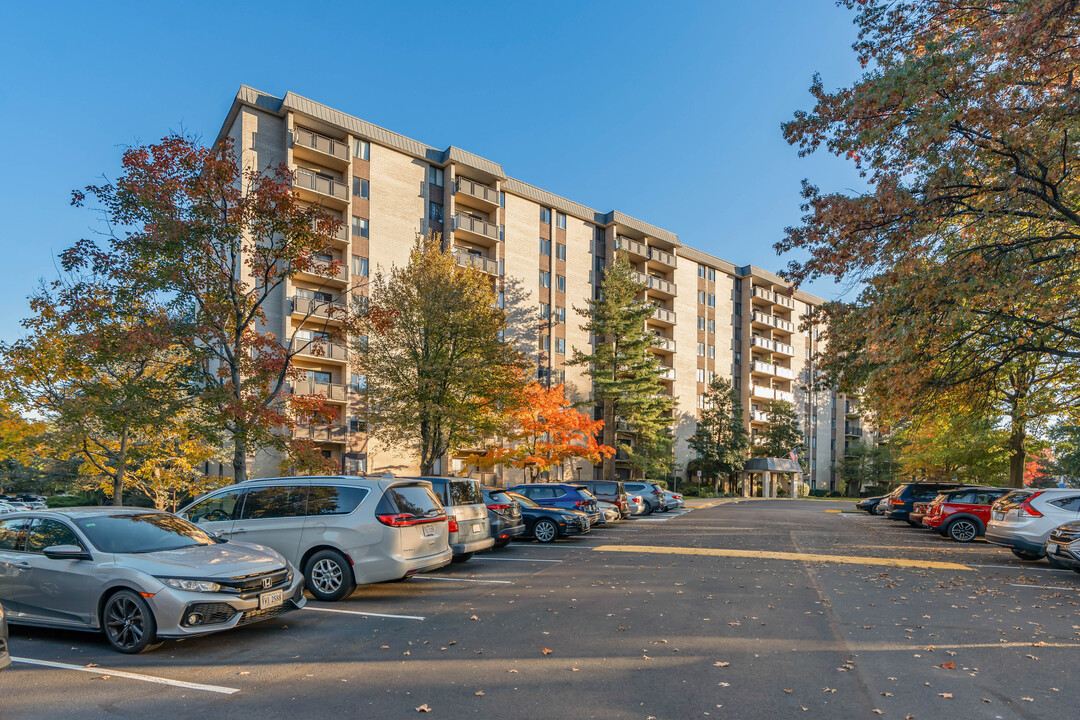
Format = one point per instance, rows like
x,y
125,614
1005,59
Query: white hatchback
x,y
1024,519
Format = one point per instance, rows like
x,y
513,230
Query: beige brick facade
x,y
544,253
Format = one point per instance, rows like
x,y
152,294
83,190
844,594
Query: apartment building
x,y
544,253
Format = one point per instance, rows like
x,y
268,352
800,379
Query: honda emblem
x,y
267,582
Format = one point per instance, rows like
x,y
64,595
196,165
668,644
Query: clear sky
x,y
667,111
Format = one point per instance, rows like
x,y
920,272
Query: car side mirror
x,y
66,552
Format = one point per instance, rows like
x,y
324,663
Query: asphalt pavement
x,y
752,609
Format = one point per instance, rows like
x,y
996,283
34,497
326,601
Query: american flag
x,y
794,457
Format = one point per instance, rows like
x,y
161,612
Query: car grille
x,y
213,613
1065,534
254,616
255,582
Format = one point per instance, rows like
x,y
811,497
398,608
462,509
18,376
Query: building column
x,y
766,484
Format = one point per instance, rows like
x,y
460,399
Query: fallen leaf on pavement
x,y
949,665
474,618
878,712
423,708
721,664
546,651
947,696
887,694
788,690
479,693
1027,699
986,700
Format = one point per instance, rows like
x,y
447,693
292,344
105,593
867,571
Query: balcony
x,y
481,263
759,416
772,345
321,350
475,193
772,321
661,315
852,431
340,235
640,278
320,272
318,147
661,286
319,433
662,258
322,309
786,396
316,186
783,372
636,249
664,344
667,374
770,296
783,348
760,367
473,228
330,391
760,391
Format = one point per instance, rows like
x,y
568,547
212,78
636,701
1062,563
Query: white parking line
x,y
365,614
450,579
129,675
491,559
1022,568
1046,587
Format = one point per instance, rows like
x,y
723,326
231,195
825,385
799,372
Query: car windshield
x,y
586,494
522,500
498,496
141,533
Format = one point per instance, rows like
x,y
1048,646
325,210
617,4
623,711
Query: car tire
x,y
879,509
914,524
1027,555
463,557
499,544
963,530
545,531
1055,563
129,623
328,576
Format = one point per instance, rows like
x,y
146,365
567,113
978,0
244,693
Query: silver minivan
x,y
470,529
341,531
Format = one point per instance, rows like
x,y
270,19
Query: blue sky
x,y
669,112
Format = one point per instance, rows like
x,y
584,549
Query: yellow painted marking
x,y
798,557
834,511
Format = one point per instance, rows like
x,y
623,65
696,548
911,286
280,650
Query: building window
x,y
545,279
560,346
560,251
357,426
701,402
358,382
701,296
712,326
736,383
560,220
600,264
712,300
701,271
361,149
560,283
360,188
712,351
545,311
545,247
738,309
545,343
738,358
502,199
560,314
709,376
435,212
359,227
701,323
738,285
360,266
712,275
701,375
701,349
545,216
737,334
435,175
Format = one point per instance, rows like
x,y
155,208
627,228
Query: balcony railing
x,y
320,433
641,278
661,285
476,226
474,189
760,391
322,184
786,396
330,391
853,431
665,316
662,343
321,349
324,270
761,367
667,373
759,416
481,263
772,345
772,320
312,307
328,145
662,256
634,247
770,296
341,233
784,372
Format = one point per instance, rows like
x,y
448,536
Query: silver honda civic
x,y
137,575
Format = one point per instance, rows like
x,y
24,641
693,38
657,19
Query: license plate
x,y
1051,548
999,516
478,527
271,599
429,530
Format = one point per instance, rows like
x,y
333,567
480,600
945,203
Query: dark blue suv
x,y
562,495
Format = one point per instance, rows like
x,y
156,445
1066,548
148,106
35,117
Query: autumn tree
x,y
720,440
958,443
218,242
439,374
625,374
17,441
544,432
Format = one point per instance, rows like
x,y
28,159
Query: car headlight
x,y
192,585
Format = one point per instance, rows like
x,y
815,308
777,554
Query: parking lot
x,y
741,610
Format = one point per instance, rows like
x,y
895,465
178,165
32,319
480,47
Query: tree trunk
x,y
608,467
1017,453
118,476
239,461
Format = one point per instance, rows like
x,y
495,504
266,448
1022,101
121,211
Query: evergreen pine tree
x,y
625,374
721,440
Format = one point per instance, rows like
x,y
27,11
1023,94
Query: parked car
x,y
137,575
612,491
561,495
343,531
918,511
962,514
872,505
6,508
650,493
547,524
674,500
5,657
902,499
1063,546
504,514
637,504
463,498
610,511
1023,520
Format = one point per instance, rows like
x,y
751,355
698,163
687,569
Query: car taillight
x,y
404,520
453,524
498,507
636,498
655,492
1025,507
581,503
896,501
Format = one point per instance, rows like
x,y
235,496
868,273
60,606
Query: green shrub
x,y
69,501
818,492
834,493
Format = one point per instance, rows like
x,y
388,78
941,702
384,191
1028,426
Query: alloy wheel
x,y
125,622
326,576
963,530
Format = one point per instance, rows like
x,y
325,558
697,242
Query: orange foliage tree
x,y
545,430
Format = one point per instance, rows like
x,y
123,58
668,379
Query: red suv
x,y
962,514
